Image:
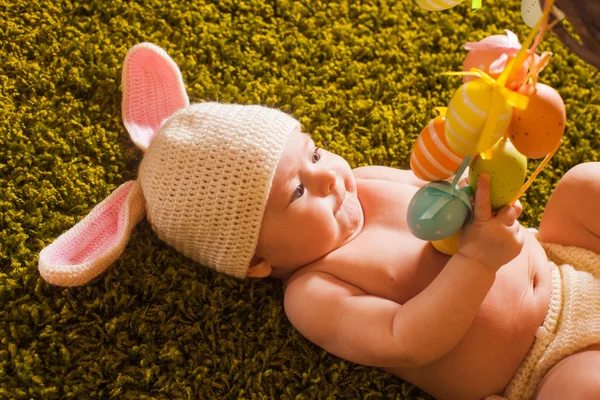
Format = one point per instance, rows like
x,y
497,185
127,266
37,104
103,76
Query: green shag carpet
x,y
363,78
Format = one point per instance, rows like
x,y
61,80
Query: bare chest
x,y
386,260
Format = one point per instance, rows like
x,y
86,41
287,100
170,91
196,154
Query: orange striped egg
x,y
466,117
437,5
431,159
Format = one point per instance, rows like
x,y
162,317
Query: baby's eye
x,y
316,156
298,192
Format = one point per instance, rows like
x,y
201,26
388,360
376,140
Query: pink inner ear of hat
x,y
153,90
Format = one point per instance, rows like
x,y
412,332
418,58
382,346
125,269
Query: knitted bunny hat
x,y
204,180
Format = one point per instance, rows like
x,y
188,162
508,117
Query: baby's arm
x,y
371,330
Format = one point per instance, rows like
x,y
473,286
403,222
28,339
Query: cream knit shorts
x,y
573,319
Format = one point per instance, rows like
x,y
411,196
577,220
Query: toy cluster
x,y
498,118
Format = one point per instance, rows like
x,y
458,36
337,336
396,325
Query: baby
x,y
242,190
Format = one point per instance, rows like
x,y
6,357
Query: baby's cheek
x,y
320,240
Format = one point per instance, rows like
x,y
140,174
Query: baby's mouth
x,y
342,203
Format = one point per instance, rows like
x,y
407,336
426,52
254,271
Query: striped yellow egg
x,y
437,5
466,117
431,159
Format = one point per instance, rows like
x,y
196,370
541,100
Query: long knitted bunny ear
x,y
153,90
95,242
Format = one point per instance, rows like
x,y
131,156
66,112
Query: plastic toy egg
x,y
437,5
449,245
536,130
445,221
507,169
431,158
531,12
466,116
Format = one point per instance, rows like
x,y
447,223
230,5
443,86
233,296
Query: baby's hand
x,y
491,239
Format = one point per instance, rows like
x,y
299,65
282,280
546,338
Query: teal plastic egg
x,y
437,211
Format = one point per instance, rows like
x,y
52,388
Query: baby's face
x,y
313,207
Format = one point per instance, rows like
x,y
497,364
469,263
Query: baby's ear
x,y
259,268
153,90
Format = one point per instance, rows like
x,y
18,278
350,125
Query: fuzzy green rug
x,y
361,76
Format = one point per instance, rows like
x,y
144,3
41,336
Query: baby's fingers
x,y
483,208
519,207
508,215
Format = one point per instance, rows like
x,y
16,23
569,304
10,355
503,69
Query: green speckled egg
x,y
507,169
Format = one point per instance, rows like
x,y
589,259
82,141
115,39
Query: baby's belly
x,y
500,336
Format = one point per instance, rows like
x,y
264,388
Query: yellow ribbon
x,y
535,173
500,94
499,89
522,53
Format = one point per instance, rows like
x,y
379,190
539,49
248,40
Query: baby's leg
x,y
575,377
572,215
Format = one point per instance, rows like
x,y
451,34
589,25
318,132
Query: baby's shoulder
x,y
307,283
317,284
331,265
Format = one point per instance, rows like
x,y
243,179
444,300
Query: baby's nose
x,y
326,179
